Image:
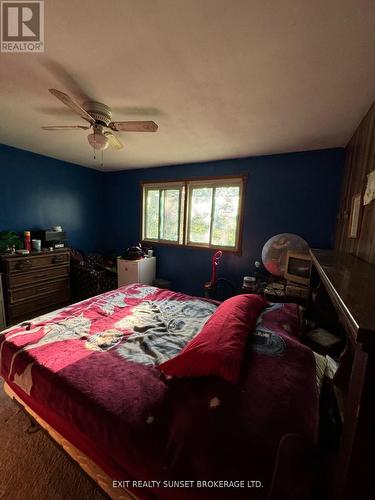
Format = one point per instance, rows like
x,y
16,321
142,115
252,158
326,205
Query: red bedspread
x,y
89,371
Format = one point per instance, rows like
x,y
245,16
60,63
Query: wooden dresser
x,y
35,284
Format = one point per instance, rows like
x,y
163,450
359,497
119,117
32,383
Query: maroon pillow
x,y
218,348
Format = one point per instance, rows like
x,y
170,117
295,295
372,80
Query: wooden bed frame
x,y
83,461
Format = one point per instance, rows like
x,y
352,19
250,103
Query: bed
x,y
97,376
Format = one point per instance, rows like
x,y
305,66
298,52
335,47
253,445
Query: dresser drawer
x,y
29,309
25,264
20,294
38,276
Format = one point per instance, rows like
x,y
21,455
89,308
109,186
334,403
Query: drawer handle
x,y
26,264
58,259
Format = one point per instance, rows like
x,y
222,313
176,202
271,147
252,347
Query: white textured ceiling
x,y
222,78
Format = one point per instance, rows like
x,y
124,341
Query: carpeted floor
x,y
32,466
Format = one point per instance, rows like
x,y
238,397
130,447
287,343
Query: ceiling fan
x,y
99,117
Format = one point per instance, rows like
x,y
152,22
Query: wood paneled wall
x,y
359,161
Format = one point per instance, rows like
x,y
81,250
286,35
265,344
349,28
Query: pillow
x,y
219,347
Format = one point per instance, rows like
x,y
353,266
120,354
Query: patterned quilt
x,y
89,371
141,323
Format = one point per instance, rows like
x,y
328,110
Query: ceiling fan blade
x,y
134,126
68,101
113,141
66,127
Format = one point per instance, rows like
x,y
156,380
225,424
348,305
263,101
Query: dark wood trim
x,y
351,325
350,282
200,178
352,406
359,162
147,243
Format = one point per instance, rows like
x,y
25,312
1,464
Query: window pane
x,y
170,211
152,214
200,215
225,216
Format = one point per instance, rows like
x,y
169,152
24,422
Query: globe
x,y
275,251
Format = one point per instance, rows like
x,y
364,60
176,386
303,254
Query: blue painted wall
x,y
39,192
295,192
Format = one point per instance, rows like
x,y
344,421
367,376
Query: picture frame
x,y
355,216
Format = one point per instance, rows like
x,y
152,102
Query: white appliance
x,y
2,310
136,271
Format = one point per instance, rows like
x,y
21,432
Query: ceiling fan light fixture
x,y
98,141
99,118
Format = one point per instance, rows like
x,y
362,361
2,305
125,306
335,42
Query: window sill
x,y
233,251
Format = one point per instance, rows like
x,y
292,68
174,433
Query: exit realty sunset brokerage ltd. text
x,y
187,484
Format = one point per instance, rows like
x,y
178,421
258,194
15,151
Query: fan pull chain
x,y
102,159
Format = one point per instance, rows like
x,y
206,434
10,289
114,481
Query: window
x,y
163,207
202,213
